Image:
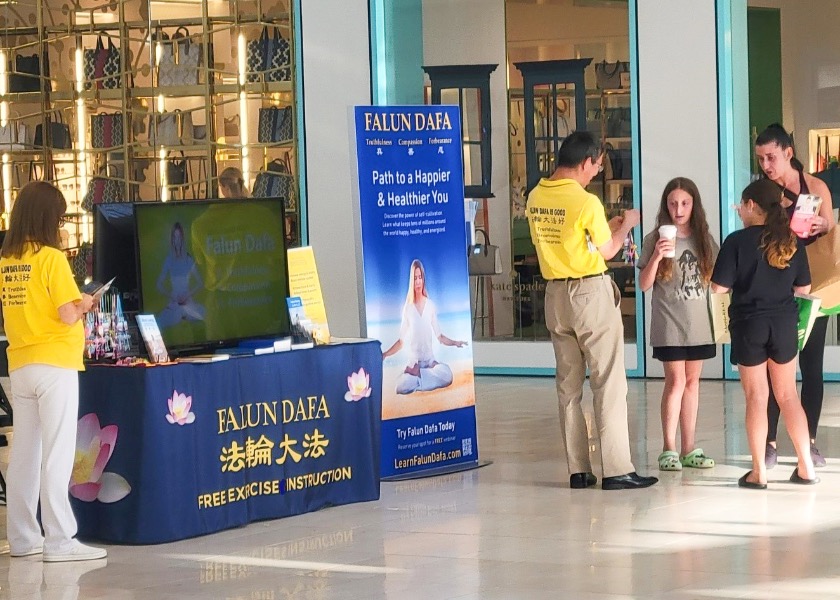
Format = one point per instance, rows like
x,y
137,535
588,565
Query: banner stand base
x,y
439,471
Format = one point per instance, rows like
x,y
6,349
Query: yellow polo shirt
x,y
33,287
560,216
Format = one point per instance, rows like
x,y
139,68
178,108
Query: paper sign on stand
x,y
304,283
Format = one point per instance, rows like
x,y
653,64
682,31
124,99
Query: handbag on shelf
x,y
180,59
26,75
199,132
59,137
231,126
618,122
176,172
13,136
269,57
608,75
82,263
620,161
275,124
172,128
484,258
102,65
276,181
103,189
106,130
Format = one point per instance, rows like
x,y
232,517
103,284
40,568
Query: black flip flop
x,y
795,478
752,485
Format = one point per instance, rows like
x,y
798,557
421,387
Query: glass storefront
x,y
568,68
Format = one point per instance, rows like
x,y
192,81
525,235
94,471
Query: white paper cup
x,y
669,232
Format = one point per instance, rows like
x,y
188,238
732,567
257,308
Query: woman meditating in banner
x,y
418,330
184,282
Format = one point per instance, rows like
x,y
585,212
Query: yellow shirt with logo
x,y
33,287
563,217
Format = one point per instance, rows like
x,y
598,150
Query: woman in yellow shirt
x,y
42,312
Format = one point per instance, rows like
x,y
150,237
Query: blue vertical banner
x,y
417,297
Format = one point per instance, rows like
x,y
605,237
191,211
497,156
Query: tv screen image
x,y
215,271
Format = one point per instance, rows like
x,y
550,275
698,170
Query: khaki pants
x,y
586,330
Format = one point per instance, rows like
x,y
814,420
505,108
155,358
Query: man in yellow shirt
x,y
573,239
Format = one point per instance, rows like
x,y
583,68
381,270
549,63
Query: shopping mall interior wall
x,y
471,32
810,66
678,113
336,77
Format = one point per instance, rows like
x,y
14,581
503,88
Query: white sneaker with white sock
x,y
75,551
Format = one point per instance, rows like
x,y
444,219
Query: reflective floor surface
x,y
513,529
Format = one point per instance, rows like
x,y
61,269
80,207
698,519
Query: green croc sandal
x,y
697,460
669,461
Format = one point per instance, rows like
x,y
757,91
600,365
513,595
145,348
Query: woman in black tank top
x,y
774,151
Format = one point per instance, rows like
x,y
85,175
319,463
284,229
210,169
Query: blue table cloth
x,y
171,452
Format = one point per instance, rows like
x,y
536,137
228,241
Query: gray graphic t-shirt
x,y
679,307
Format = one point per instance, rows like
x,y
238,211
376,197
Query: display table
x,y
197,448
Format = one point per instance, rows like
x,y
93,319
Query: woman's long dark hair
x,y
775,133
35,219
698,224
777,241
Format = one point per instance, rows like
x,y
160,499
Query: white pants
x,y
430,378
45,400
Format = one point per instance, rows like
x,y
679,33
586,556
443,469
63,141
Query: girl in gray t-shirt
x,y
679,271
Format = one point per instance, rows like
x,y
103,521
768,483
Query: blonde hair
x,y
232,179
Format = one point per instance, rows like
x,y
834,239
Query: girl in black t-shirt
x,y
775,156
763,265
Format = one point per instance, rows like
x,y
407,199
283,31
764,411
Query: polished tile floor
x,y
513,529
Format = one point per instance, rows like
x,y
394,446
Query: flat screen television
x,y
213,272
114,251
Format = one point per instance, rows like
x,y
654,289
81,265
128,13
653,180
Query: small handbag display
x,y
176,172
174,128
608,75
103,189
59,136
276,181
180,59
269,57
26,76
275,124
484,258
102,66
13,136
106,130
231,126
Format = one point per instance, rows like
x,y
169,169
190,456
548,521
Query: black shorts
x,y
758,339
675,353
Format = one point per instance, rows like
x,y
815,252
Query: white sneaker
x,y
77,551
30,552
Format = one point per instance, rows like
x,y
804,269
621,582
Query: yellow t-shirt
x,y
560,215
33,288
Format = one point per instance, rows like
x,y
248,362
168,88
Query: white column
x,y
678,115
336,77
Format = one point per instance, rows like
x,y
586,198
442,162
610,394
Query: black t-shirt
x,y
758,290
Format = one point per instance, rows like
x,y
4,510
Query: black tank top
x,y
803,189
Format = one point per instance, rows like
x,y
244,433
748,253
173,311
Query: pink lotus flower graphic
x,y
359,386
94,447
179,409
